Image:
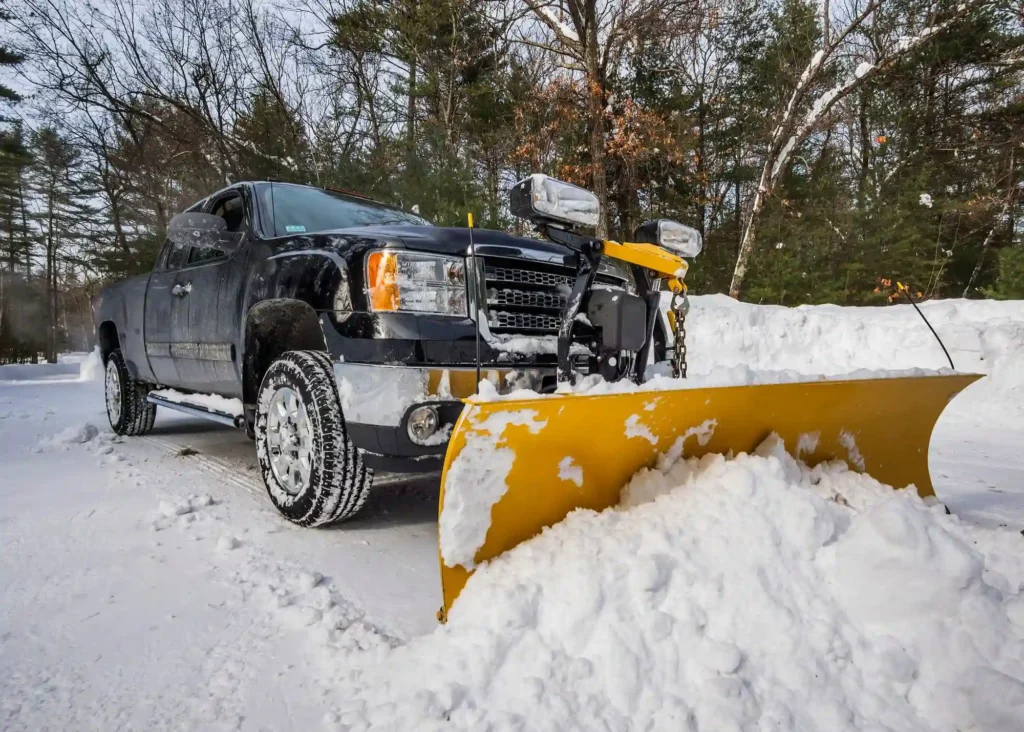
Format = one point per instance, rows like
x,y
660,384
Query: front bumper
x,y
377,399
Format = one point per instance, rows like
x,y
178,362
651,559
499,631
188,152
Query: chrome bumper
x,y
381,395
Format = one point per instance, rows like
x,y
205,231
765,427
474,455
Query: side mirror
x,y
677,238
547,200
202,231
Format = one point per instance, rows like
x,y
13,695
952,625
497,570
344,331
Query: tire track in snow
x,y
218,466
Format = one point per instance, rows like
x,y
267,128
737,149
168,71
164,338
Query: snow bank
x,y
32,372
751,593
983,336
731,343
85,366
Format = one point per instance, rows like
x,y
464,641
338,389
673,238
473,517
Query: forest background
x,y
824,150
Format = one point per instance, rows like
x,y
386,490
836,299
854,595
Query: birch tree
x,y
803,113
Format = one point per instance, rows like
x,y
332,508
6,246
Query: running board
x,y
383,480
198,410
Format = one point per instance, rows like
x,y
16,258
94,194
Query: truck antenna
x,y
477,314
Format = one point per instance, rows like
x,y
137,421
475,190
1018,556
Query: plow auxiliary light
x,y
677,238
539,198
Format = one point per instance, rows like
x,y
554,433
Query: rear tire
x,y
127,409
312,471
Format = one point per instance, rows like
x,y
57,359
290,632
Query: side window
x,y
198,256
232,210
174,257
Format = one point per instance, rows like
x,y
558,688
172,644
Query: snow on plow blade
x,y
516,466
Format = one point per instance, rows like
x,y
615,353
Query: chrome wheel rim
x,y
289,440
113,392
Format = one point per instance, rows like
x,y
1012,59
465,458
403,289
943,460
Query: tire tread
x,y
342,483
137,415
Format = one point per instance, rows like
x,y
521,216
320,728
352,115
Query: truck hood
x,y
457,242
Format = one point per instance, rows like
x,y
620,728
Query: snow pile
x,y
731,343
75,435
751,593
832,340
91,367
186,505
982,336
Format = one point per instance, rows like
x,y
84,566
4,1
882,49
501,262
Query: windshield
x,y
300,209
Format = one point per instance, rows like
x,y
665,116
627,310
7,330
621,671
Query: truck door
x,y
166,313
210,361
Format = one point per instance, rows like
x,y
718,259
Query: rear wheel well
x,y
272,328
108,340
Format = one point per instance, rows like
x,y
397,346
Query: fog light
x,y
422,424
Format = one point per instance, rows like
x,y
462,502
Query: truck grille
x,y
527,276
502,320
528,297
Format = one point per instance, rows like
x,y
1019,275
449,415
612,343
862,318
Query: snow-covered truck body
x,y
261,269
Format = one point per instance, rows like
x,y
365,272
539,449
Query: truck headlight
x,y
401,281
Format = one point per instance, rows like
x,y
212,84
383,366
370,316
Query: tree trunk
x,y
738,202
739,274
702,177
865,150
410,113
24,231
12,256
115,217
51,279
1004,213
598,159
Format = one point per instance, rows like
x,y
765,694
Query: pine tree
x,y
15,159
57,182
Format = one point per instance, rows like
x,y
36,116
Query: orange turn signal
x,y
382,280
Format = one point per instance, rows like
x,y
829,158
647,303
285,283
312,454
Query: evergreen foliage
x,y
913,175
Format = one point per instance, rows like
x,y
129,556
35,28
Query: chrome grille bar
x,y
527,298
519,276
503,320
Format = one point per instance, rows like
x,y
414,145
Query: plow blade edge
x,y
568,452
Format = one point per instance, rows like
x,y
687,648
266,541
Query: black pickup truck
x,y
347,330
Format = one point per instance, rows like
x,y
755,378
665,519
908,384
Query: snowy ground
x,y
146,586
142,588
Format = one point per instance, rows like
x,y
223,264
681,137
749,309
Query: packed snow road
x,y
148,582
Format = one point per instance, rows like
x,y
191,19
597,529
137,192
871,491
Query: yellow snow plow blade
x,y
881,426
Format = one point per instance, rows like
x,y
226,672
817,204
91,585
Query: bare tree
x,y
591,37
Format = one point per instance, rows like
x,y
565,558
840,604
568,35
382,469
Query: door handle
x,y
181,290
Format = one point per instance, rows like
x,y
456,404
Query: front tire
x,y
127,409
312,471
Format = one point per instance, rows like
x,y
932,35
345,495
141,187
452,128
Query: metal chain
x,y
678,307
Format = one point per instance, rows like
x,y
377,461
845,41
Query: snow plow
x,y
519,462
